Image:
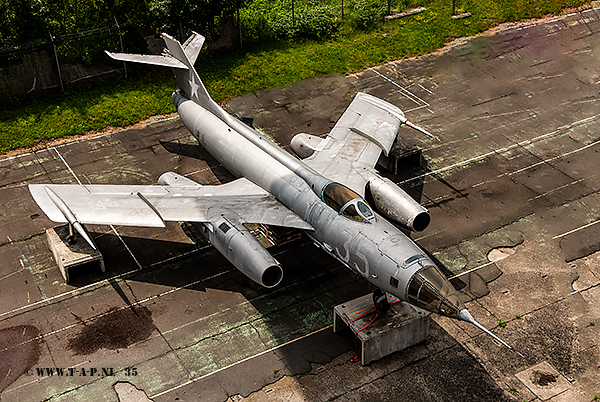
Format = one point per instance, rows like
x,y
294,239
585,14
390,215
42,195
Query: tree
x,y
199,15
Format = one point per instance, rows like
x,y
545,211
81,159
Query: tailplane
x,y
181,59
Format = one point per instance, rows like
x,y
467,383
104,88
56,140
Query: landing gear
x,y
380,301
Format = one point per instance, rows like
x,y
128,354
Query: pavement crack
x,y
10,241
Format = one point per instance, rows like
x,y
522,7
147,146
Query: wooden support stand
x,y
70,255
404,325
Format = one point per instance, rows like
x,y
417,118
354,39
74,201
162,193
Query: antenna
x,y
466,316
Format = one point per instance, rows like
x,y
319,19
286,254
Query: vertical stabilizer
x,y
181,59
192,46
188,80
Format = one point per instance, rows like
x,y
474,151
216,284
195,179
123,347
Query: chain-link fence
x,y
52,63
49,64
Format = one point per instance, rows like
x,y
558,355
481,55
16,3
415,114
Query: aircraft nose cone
x,y
465,315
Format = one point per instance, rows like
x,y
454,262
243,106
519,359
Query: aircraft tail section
x,y
192,46
181,59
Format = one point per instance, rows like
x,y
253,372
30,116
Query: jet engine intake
x,y
304,145
242,249
391,201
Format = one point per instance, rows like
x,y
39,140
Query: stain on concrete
x,y
475,284
19,352
127,392
543,378
115,329
581,243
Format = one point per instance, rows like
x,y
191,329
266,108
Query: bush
x,y
318,22
367,14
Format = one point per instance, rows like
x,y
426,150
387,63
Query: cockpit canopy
x,y
346,202
430,290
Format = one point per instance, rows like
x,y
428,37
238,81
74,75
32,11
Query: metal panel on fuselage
x,y
244,159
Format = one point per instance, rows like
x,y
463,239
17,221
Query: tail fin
x,y
181,59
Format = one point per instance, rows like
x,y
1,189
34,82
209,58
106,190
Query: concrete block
x,y
70,255
403,326
403,154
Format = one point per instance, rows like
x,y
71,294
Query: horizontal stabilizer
x,y
154,59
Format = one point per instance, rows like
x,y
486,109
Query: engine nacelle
x,y
394,203
304,145
176,180
242,249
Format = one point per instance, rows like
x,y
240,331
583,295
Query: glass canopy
x,y
346,202
430,290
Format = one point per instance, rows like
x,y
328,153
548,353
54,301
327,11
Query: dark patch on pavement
x,y
543,378
475,283
581,243
446,376
115,329
547,334
19,351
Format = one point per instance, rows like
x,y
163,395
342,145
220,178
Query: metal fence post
x,y
62,87
121,40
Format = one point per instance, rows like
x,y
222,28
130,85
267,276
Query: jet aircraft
x,y
322,193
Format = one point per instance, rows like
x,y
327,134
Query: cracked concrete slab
x,y
543,380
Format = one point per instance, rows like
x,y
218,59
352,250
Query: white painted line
x,y
505,149
416,108
136,303
102,283
203,170
559,188
85,139
550,159
410,95
66,164
471,270
426,89
575,230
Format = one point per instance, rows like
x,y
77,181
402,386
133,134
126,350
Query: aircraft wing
x,y
151,206
368,127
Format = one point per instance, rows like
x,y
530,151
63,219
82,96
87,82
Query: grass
x,y
124,102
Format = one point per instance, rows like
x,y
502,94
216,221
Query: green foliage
x,y
263,64
313,21
178,15
367,14
122,103
308,23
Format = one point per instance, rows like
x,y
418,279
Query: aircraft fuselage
x,y
375,249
